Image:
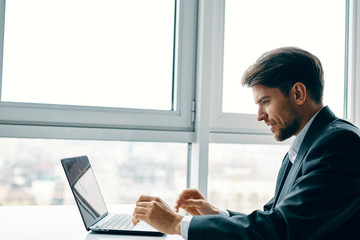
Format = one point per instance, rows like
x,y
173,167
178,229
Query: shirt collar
x,y
295,145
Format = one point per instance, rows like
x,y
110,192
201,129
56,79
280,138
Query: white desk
x,y
56,223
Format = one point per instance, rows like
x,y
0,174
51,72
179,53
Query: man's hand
x,y
193,202
158,214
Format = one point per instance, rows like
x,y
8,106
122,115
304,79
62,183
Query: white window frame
x,y
232,127
82,122
352,63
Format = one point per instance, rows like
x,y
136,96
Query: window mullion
x,y
2,24
356,60
352,73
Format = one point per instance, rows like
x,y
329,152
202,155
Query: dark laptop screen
x,y
85,189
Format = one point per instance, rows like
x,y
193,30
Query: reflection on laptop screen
x,y
86,190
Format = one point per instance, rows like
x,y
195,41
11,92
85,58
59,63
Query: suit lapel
x,y
293,173
283,172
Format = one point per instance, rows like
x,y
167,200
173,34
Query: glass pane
x,y
31,173
254,27
89,52
240,178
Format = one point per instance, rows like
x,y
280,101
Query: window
x,y
254,27
240,178
102,65
31,173
85,53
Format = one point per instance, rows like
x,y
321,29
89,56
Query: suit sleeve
x,y
322,199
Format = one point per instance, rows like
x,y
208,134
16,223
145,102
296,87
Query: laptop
x,y
91,203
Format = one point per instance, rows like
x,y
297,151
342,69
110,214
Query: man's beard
x,y
291,129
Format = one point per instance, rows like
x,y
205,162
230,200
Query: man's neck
x,y
310,111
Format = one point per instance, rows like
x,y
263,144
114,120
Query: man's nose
x,y
261,115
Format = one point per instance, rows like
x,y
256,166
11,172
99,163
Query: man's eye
x,y
265,101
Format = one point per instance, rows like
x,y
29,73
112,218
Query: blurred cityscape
x,y
242,177
31,172
239,177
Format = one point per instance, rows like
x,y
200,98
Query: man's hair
x,y
283,67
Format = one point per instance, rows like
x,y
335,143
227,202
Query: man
x,y
317,194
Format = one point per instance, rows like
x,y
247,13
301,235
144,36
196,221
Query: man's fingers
x,y
143,204
193,203
190,194
135,221
137,218
140,211
145,198
192,206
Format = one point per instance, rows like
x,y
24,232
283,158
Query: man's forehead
x,y
260,91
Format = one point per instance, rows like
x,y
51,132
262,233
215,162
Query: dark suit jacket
x,y
318,199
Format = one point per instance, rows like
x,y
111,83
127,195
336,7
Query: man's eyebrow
x,y
262,98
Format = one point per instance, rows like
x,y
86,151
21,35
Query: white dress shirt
x,y
295,145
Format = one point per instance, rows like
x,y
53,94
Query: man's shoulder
x,y
327,126
339,123
342,128
333,134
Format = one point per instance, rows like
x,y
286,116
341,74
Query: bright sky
x,y
119,54
89,52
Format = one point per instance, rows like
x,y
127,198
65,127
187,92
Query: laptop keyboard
x,y
118,221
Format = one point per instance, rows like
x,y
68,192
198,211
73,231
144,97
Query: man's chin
x,y
277,138
281,138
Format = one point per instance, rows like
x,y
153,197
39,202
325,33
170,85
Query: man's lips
x,y
271,126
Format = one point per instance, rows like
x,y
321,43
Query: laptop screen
x,y
85,189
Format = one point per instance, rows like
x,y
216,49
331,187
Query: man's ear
x,y
299,93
